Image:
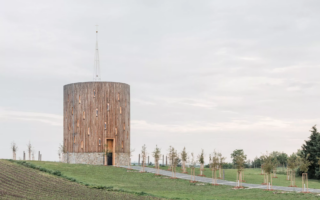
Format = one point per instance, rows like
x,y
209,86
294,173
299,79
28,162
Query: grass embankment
x,y
19,182
253,176
161,186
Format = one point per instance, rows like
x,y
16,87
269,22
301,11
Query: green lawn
x,y
253,176
161,186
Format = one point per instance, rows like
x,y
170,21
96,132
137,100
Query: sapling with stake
x,y
201,161
61,151
221,162
14,148
214,164
184,156
193,163
156,154
239,161
293,163
304,167
144,156
59,154
268,165
130,155
175,161
170,158
29,146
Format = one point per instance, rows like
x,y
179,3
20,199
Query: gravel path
x,y
221,182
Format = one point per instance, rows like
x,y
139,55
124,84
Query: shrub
x,y
57,173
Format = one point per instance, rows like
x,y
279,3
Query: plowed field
x,y
19,182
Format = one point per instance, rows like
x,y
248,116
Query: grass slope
x,y
161,186
19,182
253,176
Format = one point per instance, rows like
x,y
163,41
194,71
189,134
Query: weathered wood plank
x,y
81,101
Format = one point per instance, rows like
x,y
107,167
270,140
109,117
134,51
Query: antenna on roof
x,y
96,73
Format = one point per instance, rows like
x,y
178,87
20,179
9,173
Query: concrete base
x,y
94,158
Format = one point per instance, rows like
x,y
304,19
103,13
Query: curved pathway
x,y
221,182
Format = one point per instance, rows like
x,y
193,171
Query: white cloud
x,y
234,125
50,119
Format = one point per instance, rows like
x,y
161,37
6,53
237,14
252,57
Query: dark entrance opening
x,y
110,159
110,151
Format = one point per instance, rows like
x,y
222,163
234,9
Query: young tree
x,y
239,160
304,167
14,148
61,150
130,155
193,163
236,153
268,165
144,156
201,161
59,154
156,154
184,156
170,158
221,162
214,166
33,151
175,161
29,149
293,163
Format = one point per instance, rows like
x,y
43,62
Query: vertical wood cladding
x,y
93,111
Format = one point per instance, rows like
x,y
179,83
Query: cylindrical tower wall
x,y
96,114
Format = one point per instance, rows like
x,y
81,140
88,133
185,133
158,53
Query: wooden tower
x,y
96,116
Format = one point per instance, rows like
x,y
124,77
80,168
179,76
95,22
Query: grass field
x,y
19,182
162,186
253,176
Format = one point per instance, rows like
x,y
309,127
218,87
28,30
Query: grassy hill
x,y
119,178
19,182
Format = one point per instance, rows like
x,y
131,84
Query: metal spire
x,y
96,73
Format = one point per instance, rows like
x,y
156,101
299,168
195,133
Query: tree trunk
x,y
212,177
267,181
194,174
271,183
172,172
183,167
240,178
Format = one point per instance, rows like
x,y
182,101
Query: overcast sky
x,y
220,75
